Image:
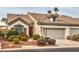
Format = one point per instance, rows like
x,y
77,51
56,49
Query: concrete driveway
x,y
66,42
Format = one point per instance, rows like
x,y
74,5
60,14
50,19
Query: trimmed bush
x,y
22,34
11,38
68,37
46,41
75,38
51,41
1,34
36,36
18,36
11,32
24,38
16,40
27,36
46,38
41,42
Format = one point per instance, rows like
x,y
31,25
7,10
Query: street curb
x,y
38,48
0,46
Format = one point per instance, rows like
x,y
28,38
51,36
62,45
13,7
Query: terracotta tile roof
x,y
62,19
69,20
38,16
12,17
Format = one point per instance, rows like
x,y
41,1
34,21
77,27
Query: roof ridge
x,y
17,14
36,13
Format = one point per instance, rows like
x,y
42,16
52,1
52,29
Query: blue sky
x,y
70,11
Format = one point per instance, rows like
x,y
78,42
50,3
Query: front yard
x,y
7,45
11,39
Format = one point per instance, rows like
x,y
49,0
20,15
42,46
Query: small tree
x,y
4,20
53,15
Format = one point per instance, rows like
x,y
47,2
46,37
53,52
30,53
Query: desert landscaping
x,y
13,40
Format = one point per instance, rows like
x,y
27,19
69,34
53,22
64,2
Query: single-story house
x,y
38,23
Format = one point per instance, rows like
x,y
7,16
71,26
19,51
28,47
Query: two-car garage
x,y
55,33
59,33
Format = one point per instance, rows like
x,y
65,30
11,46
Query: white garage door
x,y
74,31
55,33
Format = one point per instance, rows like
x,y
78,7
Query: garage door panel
x,y
74,31
55,33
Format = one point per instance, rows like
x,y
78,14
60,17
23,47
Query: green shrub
x,y
11,38
11,32
18,36
24,38
68,37
1,34
27,36
75,38
46,38
7,33
45,41
51,41
16,40
41,42
22,34
36,36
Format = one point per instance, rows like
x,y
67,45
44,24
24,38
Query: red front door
x,y
30,31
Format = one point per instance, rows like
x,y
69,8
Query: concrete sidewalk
x,y
39,48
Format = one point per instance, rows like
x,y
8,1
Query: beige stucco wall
x,y
36,27
19,22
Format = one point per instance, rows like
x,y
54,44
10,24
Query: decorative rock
x,y
0,46
30,41
11,45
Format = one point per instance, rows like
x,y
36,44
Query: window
x,y
19,28
53,19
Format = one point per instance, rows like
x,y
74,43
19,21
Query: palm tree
x,y
56,9
4,20
52,15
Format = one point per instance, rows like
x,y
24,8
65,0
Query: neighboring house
x,y
37,23
3,26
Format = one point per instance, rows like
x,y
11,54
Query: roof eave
x,y
58,24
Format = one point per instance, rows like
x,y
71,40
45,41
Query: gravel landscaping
x,y
6,44
12,39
